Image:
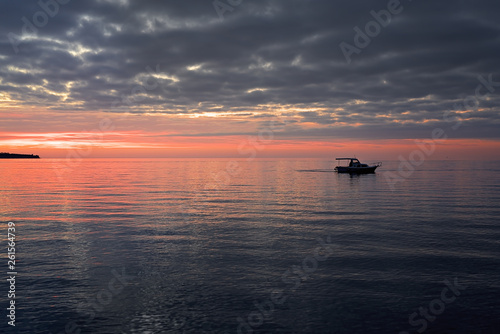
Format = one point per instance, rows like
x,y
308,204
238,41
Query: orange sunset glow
x,y
103,99
154,135
133,144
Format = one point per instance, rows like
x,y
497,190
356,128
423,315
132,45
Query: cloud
x,y
265,57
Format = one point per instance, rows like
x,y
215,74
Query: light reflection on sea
x,y
198,254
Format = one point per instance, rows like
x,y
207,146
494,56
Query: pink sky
x,y
54,134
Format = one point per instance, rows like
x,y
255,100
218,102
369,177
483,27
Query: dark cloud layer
x,y
103,55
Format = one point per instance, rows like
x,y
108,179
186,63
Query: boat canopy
x,y
346,159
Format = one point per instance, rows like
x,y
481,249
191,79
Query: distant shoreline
x,y
18,156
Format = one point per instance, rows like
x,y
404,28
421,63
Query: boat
x,y
4,155
356,167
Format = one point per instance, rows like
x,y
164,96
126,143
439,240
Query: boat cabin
x,y
353,162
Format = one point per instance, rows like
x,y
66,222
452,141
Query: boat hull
x,y
356,170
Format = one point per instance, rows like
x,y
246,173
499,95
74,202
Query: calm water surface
x,y
268,246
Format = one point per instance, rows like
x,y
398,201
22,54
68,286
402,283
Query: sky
x,y
250,78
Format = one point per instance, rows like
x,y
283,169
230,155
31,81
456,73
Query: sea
x,y
237,246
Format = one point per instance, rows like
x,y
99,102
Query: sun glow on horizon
x,y
141,144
